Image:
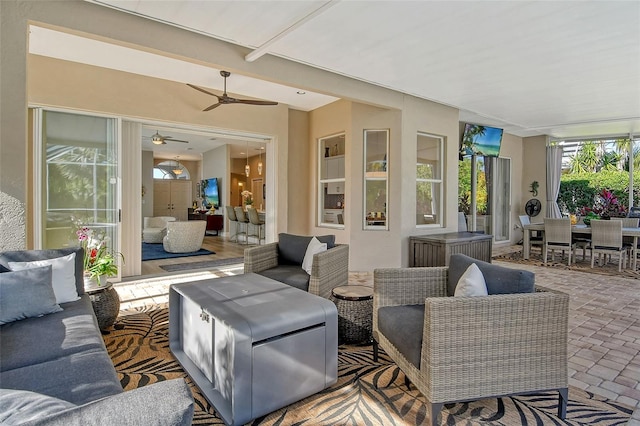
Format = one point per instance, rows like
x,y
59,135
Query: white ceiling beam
x,y
264,48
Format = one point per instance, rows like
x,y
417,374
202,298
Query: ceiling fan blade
x,y
170,139
201,90
212,107
252,102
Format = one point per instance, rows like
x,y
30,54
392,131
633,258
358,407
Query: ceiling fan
x,y
226,99
158,139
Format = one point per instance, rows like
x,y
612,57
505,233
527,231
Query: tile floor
x,y
604,323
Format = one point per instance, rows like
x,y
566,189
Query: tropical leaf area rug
x,y
535,259
366,393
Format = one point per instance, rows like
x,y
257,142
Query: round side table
x,y
355,312
106,304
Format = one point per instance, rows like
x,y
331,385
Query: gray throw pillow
x,y
499,280
20,406
291,248
26,294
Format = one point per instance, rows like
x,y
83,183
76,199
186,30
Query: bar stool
x,y
254,219
231,215
241,217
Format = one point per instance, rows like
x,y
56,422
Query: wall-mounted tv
x,y
481,140
210,192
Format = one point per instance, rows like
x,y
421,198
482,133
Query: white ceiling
x,y
562,68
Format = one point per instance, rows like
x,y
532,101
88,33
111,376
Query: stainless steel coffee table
x,y
252,344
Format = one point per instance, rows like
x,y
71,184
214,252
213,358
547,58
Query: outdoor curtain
x,y
554,171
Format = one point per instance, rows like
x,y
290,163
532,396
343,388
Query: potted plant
x,y
99,261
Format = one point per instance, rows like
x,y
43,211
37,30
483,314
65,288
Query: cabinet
x,y
335,187
334,167
334,216
215,222
435,250
171,198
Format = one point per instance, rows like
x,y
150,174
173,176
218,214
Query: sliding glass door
x,y
77,181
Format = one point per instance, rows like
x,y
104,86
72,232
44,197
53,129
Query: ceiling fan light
x,y
157,139
177,171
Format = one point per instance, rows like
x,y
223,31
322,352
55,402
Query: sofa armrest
x,y
329,269
519,338
259,258
168,403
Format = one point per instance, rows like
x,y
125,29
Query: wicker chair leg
x,y
375,350
407,382
435,411
562,402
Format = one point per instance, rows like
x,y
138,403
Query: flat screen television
x,y
481,140
210,192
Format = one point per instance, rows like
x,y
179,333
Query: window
x,y
429,163
171,170
486,200
331,181
376,147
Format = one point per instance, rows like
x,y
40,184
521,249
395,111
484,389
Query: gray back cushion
x,y
31,255
292,248
499,280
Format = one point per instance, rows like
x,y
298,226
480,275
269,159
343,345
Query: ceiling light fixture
x,y
177,170
260,163
157,139
247,169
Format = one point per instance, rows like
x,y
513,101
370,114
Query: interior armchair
x,y
283,261
457,349
155,228
184,237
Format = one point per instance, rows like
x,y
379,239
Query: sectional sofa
x,y
54,366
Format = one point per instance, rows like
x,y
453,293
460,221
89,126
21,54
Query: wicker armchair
x,y
475,347
330,268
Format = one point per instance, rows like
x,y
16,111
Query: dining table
x,y
579,229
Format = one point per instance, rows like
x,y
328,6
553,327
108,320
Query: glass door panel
x,y
79,178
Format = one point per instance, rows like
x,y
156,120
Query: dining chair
x,y
606,238
534,238
629,222
557,236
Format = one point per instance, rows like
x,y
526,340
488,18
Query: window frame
x,y
440,182
324,182
372,223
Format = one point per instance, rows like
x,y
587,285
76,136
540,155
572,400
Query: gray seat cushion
x,y
402,326
499,280
292,275
62,333
292,248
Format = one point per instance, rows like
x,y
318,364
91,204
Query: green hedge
x,y
578,190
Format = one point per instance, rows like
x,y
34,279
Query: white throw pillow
x,y
471,283
63,275
314,247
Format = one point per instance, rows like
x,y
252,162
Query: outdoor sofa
x,y
54,366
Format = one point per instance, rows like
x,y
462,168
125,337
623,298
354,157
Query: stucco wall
x,y
300,178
